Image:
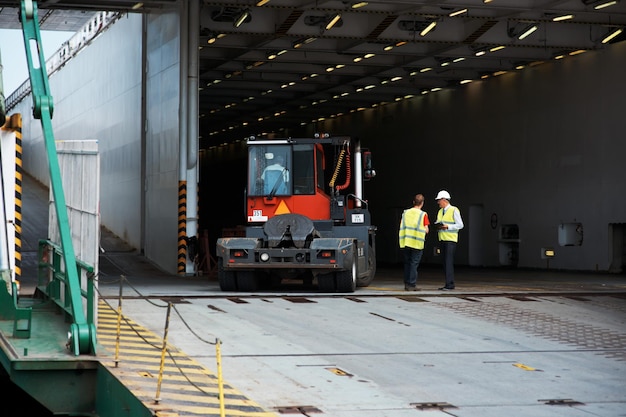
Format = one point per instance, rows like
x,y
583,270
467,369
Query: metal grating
x,y
433,406
237,300
610,343
299,300
174,300
298,409
561,401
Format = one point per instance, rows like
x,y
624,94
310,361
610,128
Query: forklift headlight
x,y
264,257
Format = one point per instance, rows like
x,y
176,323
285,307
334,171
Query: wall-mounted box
x,y
570,234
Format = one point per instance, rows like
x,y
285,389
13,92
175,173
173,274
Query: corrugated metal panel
x,y
80,172
162,139
97,95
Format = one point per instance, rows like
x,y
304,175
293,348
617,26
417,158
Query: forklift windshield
x,y
280,170
269,170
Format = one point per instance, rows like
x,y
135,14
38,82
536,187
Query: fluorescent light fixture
x,y
612,35
359,4
333,21
262,2
465,82
301,42
137,6
577,52
458,12
394,45
605,4
272,55
527,31
480,52
561,18
497,48
241,18
428,28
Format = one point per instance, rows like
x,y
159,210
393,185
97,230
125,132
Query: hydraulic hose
x,y
338,168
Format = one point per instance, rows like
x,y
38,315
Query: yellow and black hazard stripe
x,y
182,227
14,123
187,387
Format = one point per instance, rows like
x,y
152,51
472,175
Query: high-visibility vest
x,y
412,232
447,218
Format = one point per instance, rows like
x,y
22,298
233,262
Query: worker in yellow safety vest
x,y
412,234
448,224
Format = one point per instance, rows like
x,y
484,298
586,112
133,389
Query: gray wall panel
x,y
162,102
97,95
538,148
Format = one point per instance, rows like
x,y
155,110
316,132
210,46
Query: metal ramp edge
x,y
187,387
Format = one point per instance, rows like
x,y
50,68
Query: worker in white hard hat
x,y
448,224
412,235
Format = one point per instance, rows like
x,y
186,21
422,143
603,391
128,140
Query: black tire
x,y
225,278
326,282
247,281
371,270
346,280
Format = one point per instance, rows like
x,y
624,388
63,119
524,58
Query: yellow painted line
x,y
147,353
196,388
339,372
524,367
111,339
187,386
173,369
205,411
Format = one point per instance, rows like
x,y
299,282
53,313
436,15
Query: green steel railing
x,y
54,281
82,335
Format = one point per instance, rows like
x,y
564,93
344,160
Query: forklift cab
x,y
283,169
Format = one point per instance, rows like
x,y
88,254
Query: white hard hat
x,y
443,194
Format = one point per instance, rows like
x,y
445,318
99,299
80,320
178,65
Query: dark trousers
x,y
447,250
412,258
